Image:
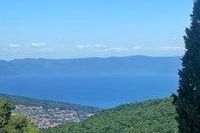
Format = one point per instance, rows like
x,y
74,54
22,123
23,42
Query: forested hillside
x,y
155,116
20,100
45,114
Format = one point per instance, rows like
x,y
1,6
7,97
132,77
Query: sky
x,y
92,28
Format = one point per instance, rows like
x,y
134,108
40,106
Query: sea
x,y
104,91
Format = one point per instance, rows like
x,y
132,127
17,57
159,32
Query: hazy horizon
x,y
91,57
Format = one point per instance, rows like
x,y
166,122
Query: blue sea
x,y
103,91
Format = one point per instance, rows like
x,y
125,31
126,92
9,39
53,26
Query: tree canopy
x,y
13,123
155,116
188,100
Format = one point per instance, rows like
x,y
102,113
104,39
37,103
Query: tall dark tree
x,y
188,99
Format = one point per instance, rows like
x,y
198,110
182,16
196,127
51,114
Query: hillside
x,y
125,65
44,113
155,116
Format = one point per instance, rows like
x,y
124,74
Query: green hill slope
x,y
155,116
17,100
45,114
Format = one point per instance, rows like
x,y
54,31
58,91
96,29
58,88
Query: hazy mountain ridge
x,y
112,65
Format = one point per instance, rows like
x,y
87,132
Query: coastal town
x,y
48,118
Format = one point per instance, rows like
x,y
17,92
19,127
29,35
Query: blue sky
x,y
88,28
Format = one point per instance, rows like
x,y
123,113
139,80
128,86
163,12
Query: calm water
x,y
99,91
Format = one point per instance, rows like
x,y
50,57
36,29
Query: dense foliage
x,y
188,100
156,116
13,124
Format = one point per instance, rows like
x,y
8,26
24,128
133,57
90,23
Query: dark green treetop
x,y
188,100
14,124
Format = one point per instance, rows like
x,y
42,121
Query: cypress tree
x,y
187,101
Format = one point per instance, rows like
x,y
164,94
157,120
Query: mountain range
x,y
90,66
